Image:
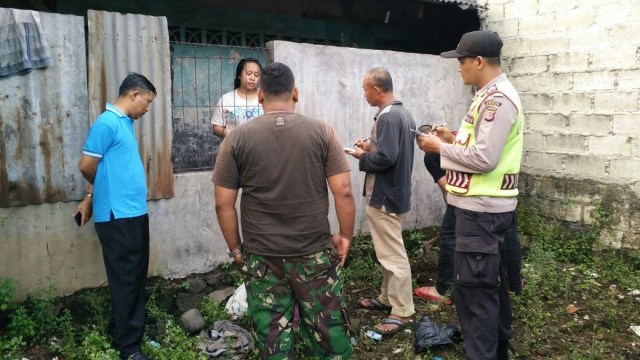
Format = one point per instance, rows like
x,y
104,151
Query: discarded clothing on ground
x,y
226,340
427,334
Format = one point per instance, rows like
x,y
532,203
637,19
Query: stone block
x,y
581,17
528,65
628,80
513,47
612,15
616,102
594,81
549,44
553,83
572,102
504,28
534,141
587,40
546,122
544,186
626,123
589,124
536,102
620,145
626,57
555,6
568,62
542,162
585,166
566,143
620,34
521,8
523,83
625,169
495,11
537,24
609,239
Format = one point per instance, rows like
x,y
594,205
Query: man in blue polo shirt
x,y
117,198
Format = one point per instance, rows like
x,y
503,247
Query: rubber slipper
x,y
391,321
425,294
374,305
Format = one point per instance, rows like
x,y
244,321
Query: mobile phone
x,y
78,218
349,150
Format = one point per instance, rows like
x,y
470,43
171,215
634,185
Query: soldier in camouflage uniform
x,y
283,162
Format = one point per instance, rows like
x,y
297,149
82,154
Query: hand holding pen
x,y
363,144
443,133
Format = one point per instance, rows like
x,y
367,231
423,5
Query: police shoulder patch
x,y
492,103
490,114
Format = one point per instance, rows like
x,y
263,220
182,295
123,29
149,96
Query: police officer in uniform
x,y
482,163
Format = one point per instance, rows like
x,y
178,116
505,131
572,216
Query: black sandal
x,y
374,305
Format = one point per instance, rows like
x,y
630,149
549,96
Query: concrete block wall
x,y
576,64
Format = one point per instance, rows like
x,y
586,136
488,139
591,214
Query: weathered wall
x,y
576,64
43,248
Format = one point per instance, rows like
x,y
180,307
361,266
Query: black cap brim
x,y
451,55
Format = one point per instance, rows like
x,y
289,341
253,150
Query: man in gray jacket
x,y
387,158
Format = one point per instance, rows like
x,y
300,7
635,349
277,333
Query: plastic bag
x,y
427,334
237,304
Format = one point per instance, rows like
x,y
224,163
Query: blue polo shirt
x,y
120,185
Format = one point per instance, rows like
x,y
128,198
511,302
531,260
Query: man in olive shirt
x,y
283,162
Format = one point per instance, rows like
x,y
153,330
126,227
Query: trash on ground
x,y
572,309
226,340
237,304
429,334
373,335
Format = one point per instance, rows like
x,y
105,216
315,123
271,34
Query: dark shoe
x,y
138,356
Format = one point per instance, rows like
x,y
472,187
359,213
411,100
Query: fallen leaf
x,y
572,309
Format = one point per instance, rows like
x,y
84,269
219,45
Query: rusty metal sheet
x,y
124,43
43,121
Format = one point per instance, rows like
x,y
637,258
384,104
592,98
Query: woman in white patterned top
x,y
240,105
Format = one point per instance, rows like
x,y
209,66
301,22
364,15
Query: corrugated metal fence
x,y
43,121
122,43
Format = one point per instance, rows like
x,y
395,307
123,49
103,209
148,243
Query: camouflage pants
x,y
275,284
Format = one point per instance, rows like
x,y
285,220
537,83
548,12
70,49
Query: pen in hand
x,y
365,140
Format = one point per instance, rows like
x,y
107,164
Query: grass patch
x,y
560,269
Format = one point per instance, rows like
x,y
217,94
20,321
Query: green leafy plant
x,y
213,312
7,295
93,346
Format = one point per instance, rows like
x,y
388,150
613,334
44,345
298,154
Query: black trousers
x,y
512,252
125,249
481,293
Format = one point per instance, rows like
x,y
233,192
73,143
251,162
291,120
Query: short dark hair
x,y
240,67
381,78
277,80
135,81
495,61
